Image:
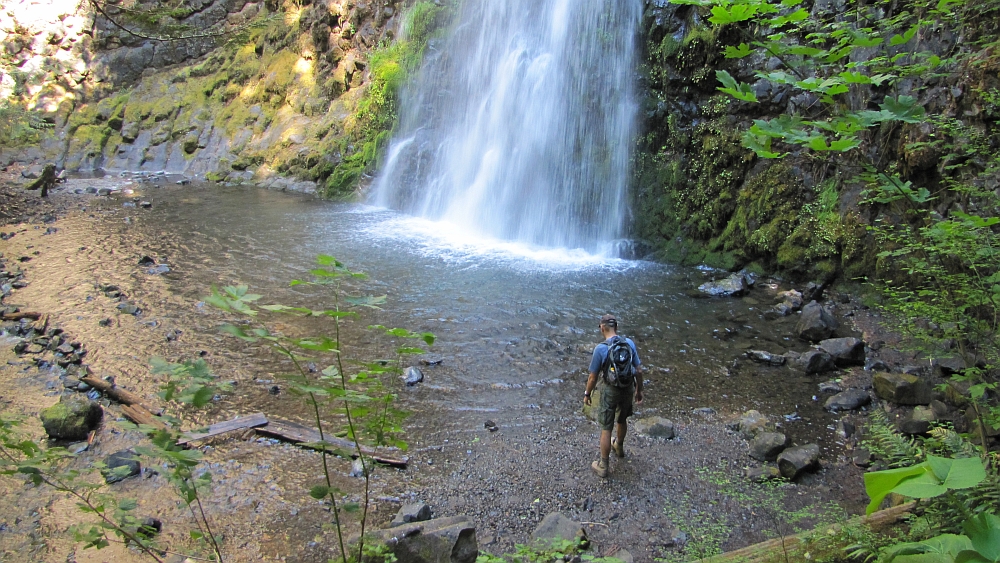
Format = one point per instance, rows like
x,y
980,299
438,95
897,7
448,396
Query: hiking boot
x,y
600,467
619,448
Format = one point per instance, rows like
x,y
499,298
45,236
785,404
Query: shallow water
x,y
515,324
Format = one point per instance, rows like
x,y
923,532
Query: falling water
x,y
519,126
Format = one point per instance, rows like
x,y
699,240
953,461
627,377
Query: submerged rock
x,y
732,286
768,358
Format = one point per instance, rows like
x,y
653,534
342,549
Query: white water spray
x,y
520,125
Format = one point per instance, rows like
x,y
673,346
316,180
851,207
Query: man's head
x,y
609,325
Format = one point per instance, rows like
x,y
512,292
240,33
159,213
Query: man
x,y
613,398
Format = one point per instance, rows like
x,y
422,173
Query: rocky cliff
x,y
291,94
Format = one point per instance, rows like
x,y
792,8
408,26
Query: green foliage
x,y
359,389
20,126
931,478
189,382
979,544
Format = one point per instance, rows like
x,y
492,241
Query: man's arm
x,y
591,383
638,385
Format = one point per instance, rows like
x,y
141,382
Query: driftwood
x,y
117,393
139,415
309,438
46,181
241,423
21,315
794,548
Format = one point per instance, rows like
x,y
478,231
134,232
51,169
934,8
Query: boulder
x,y
126,460
918,422
973,420
848,400
763,474
948,366
793,461
441,540
413,512
845,351
413,375
816,323
656,427
768,358
816,361
902,388
556,527
753,423
72,418
732,286
791,299
767,445
957,392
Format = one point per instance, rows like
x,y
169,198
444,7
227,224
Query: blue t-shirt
x,y
601,354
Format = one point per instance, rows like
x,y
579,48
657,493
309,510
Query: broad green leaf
x,y
961,473
924,485
428,338
864,41
845,144
905,37
721,15
904,108
738,52
969,556
942,548
737,90
760,144
327,260
984,533
878,484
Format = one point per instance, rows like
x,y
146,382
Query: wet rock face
x,y
72,418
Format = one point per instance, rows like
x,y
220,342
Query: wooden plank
x,y
139,415
300,434
241,423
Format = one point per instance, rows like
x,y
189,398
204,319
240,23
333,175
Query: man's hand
x,y
586,400
638,397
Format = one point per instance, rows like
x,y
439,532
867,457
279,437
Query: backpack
x,y
618,369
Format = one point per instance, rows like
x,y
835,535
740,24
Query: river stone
x,y
791,299
957,392
753,423
732,286
973,420
413,375
768,358
815,323
656,427
948,366
623,556
441,540
848,400
414,512
763,474
767,445
793,461
816,361
72,418
902,388
125,459
556,527
845,351
918,422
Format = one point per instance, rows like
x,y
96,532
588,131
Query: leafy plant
x,y
352,388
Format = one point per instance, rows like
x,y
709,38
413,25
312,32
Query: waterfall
x,y
520,124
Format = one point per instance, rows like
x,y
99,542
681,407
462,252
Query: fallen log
x,y
117,393
309,438
21,315
241,423
139,415
795,547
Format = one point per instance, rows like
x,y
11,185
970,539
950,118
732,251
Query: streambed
x,y
515,326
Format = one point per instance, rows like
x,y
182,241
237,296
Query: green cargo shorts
x,y
614,398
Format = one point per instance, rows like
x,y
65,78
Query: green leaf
x,y
327,260
845,144
904,38
721,15
738,52
925,485
969,556
351,507
409,350
740,91
984,533
962,473
235,331
202,396
428,338
878,484
903,108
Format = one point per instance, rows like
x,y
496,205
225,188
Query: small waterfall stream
x,y
520,125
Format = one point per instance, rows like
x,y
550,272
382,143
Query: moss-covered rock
x,y
72,418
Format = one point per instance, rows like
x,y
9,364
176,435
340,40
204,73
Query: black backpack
x,y
618,369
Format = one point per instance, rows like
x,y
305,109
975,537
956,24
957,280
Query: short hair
x,y
609,321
